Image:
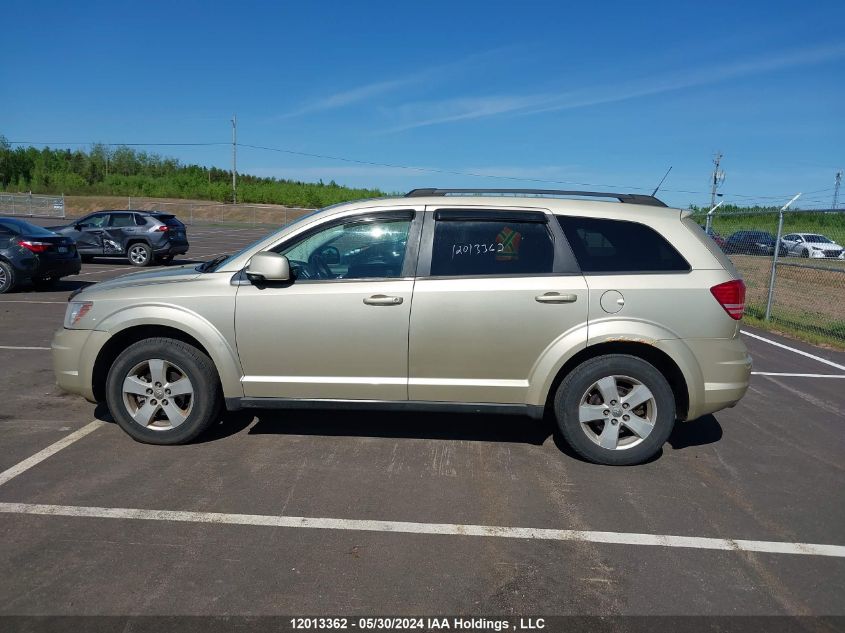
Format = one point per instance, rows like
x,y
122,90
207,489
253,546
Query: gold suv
x,y
614,313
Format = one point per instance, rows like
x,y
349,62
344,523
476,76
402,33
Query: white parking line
x,y
448,529
793,349
40,456
787,375
16,347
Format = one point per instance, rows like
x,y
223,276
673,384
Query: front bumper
x,y
74,355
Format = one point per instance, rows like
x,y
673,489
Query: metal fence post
x,y
191,221
129,203
29,206
64,208
771,296
709,221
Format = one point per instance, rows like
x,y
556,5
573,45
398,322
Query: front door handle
x,y
383,300
556,297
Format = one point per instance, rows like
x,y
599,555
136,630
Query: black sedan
x,y
752,243
32,252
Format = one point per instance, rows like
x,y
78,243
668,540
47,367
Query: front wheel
x,y
140,254
615,409
163,391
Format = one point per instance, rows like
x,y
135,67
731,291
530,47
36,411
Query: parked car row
x,y
44,255
810,245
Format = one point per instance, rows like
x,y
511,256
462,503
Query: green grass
x,y
801,332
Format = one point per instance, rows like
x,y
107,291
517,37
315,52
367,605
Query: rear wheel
x,y
163,391
615,409
140,254
7,277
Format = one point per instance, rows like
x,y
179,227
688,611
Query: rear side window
x,y
491,247
139,220
122,220
618,246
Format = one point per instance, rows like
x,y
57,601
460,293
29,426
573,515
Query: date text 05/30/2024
x,y
417,624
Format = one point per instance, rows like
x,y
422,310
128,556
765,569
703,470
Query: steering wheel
x,y
318,268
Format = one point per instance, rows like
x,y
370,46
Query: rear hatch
x,y
175,229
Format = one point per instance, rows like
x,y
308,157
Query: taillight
x,y
163,228
731,296
35,247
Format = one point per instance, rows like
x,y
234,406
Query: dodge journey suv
x,y
616,317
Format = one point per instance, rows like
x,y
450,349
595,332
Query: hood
x,y
144,278
825,246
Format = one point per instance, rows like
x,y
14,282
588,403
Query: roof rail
x,y
631,198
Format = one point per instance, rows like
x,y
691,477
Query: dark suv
x,y
141,236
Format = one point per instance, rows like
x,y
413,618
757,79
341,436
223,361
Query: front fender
x,y
222,353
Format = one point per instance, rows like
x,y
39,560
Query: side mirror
x,y
267,266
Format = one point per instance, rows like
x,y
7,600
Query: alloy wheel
x,y
158,394
617,412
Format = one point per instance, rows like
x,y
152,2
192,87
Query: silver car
x,y
812,245
615,317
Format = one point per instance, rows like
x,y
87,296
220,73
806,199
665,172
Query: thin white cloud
x,y
371,90
421,114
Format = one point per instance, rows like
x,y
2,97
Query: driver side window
x,y
357,249
94,222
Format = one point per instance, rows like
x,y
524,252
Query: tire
x,y
7,277
805,253
86,259
174,418
139,254
579,389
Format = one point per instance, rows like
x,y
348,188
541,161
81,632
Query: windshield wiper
x,y
211,264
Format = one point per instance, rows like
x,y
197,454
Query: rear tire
x,y
7,277
590,406
163,391
139,254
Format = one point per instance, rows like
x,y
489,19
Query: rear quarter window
x,y
619,246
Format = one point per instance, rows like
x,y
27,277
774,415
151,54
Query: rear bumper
x,y
172,249
74,354
717,372
58,267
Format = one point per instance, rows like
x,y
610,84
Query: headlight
x,y
76,310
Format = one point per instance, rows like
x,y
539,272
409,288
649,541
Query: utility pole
x,y
836,189
235,158
718,179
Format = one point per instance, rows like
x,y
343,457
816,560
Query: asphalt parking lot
x,y
324,513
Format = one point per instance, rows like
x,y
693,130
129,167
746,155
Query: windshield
x,y
821,239
218,262
25,228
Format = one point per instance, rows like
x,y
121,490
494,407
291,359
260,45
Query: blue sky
x,y
608,93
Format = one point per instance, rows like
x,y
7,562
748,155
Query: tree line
x,y
124,171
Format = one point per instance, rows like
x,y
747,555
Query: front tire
x,y
163,391
615,409
139,254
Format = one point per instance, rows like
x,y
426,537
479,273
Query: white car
x,y
812,245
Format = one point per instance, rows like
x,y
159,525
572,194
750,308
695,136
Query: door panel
x,y
496,290
340,329
321,340
477,340
89,237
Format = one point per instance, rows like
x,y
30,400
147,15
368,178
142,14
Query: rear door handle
x,y
556,297
383,300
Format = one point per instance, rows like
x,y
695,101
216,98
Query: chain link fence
x,y
32,205
795,276
199,212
